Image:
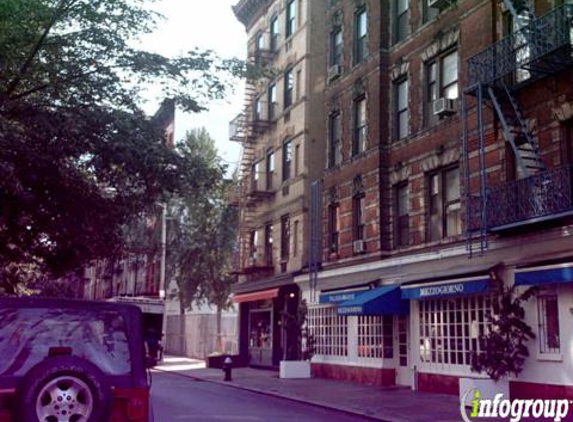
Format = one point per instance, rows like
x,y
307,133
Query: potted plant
x,y
297,356
503,349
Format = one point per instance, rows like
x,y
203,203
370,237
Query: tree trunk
x,y
219,329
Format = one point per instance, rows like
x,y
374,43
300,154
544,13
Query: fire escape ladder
x,y
248,155
516,131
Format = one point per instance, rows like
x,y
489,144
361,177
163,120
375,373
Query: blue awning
x,y
548,275
340,296
384,300
447,289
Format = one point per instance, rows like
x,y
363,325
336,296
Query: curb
x,y
280,396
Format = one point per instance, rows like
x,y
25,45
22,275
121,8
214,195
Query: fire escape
x,y
538,47
247,129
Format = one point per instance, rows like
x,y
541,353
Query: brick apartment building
x,y
281,132
447,167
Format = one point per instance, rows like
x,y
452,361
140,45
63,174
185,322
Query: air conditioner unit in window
x,y
334,71
444,107
440,4
358,246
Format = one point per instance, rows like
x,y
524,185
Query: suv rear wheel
x,y
65,389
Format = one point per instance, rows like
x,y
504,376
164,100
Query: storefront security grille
x,y
450,329
330,331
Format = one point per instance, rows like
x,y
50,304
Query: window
x,y
255,176
360,126
335,142
548,315
360,42
260,41
359,216
429,12
253,240
269,244
289,88
329,330
449,75
274,34
401,28
287,160
272,94
258,110
290,18
270,168
402,113
444,204
285,237
450,328
402,215
336,47
298,83
375,337
297,160
295,239
333,226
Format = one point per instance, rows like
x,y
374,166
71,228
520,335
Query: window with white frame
x,y
329,331
375,339
361,36
402,115
290,18
274,34
548,319
450,329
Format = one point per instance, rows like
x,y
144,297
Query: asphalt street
x,y
177,399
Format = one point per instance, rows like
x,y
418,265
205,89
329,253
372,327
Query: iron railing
x,y
519,50
543,196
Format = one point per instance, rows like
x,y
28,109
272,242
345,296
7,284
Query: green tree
x,y
504,346
202,235
78,157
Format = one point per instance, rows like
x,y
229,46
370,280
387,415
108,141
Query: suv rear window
x,y
27,334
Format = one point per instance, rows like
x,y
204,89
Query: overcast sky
x,y
210,25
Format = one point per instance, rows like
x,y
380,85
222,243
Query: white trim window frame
x,y
330,332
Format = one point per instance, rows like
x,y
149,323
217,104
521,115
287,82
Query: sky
x,y
209,25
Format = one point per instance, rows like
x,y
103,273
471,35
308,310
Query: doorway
x,y
402,348
261,337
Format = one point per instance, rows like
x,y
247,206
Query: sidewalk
x,y
388,404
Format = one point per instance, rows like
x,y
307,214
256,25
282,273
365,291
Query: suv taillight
x,y
132,404
136,409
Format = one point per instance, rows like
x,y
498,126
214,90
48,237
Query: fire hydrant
x,y
227,366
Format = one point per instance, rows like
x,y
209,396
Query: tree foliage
x,y
201,233
503,347
78,156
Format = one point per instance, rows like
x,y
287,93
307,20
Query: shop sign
x,y
445,290
354,310
339,297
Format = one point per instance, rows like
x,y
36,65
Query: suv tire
x,y
65,388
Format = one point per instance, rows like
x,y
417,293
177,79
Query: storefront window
x,y
330,331
373,340
450,328
260,330
548,314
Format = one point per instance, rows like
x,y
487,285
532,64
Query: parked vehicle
x,y
72,361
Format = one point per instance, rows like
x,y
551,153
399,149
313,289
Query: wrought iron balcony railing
x,y
546,37
544,196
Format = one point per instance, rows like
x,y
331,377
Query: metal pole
x,y
163,247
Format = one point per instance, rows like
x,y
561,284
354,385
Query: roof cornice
x,y
247,11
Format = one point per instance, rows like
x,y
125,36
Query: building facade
x,y
281,134
448,171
